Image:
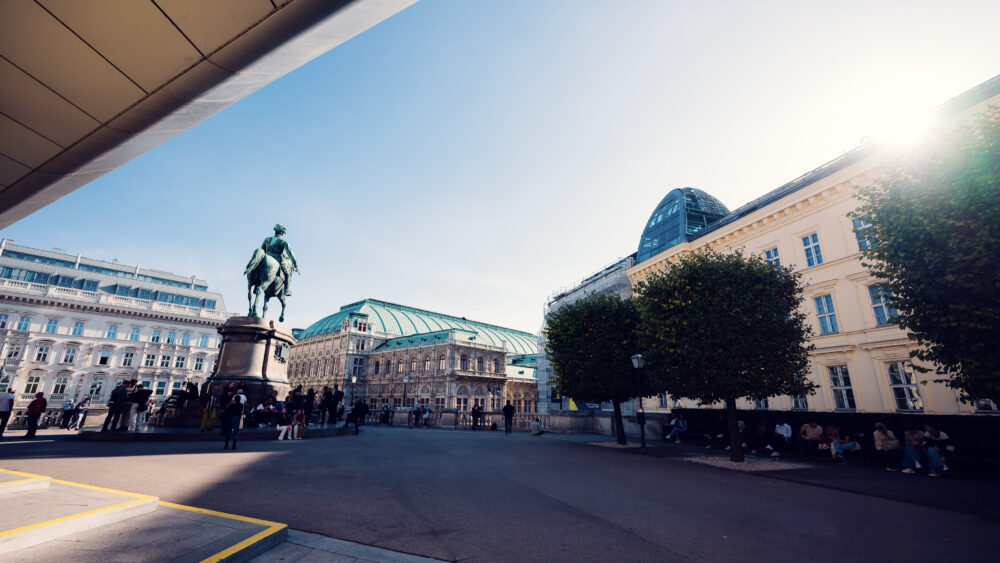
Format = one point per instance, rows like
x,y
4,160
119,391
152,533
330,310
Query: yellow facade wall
x,y
864,347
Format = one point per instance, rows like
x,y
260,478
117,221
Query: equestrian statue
x,y
269,273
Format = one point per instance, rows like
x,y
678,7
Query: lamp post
x,y
640,413
406,379
354,388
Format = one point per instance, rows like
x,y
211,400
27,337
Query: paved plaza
x,y
485,496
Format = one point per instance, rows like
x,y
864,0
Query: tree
x,y
590,343
718,327
935,233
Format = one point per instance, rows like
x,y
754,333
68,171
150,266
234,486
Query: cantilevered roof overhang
x,y
87,85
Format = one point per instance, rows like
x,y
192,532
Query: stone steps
x,y
46,519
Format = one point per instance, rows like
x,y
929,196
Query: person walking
x,y
209,409
234,417
310,404
126,409
508,418
35,410
80,414
116,402
6,405
67,413
139,398
358,413
326,411
476,414
338,397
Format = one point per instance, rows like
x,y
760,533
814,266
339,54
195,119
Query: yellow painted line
x,y
5,483
138,496
70,517
23,474
273,527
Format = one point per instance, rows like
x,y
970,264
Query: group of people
x,y
291,416
129,407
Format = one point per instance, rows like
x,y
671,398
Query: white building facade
x,y
72,327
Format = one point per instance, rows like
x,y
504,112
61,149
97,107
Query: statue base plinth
x,y
254,356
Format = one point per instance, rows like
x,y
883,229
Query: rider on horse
x,y
276,247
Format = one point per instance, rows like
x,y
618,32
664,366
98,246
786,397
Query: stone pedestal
x,y
254,355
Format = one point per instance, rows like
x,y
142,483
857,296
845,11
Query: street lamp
x,y
354,388
406,379
640,413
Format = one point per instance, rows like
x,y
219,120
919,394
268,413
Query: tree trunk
x,y
618,423
735,440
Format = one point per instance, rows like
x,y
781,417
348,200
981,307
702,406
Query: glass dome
x,y
682,212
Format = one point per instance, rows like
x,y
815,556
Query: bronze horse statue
x,y
267,278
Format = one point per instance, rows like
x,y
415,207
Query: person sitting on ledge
x,y
680,426
536,428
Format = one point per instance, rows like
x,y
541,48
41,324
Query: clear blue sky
x,y
473,157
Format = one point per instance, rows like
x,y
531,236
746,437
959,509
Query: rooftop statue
x,y
269,272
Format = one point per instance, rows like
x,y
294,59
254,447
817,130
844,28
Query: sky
x,y
472,158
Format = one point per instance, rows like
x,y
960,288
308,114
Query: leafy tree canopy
x,y
722,326
590,343
935,225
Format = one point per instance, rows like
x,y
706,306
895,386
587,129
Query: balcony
x,y
113,300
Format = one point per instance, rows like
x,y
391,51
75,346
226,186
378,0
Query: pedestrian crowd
x,y
929,447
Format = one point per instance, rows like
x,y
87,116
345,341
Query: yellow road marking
x,y
23,474
272,527
70,517
5,483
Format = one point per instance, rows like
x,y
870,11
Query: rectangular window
x,y
51,326
133,335
862,232
96,386
161,387
761,404
799,403
4,383
218,342
155,337
164,361
179,362
69,356
884,312
185,339
127,358
199,363
32,386
439,403
104,359
982,405
664,401
13,351
826,315
77,329
170,337
60,386
771,255
203,342
23,323
42,354
3,320
814,256
176,386
150,361
840,383
112,332
904,387
397,402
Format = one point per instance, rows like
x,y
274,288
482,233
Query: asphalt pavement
x,y
459,495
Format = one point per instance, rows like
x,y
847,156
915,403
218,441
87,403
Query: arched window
x,y
441,363
413,365
376,367
479,363
388,366
463,362
399,366
427,363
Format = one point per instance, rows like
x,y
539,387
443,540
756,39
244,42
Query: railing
x,y
119,300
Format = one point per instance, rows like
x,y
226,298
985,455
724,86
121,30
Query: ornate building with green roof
x,y
384,352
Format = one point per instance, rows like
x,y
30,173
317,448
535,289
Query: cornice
x,y
99,308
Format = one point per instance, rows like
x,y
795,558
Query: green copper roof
x,y
408,321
